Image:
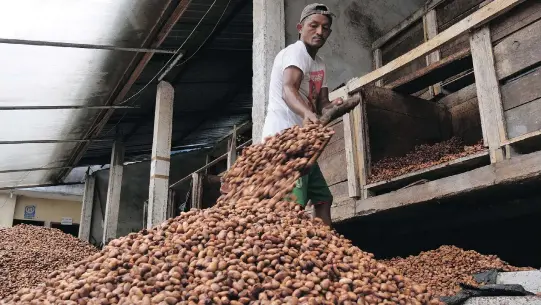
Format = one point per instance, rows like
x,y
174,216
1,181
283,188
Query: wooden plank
x,y
458,97
488,92
430,24
333,166
523,119
352,160
387,99
363,144
378,62
433,74
436,172
452,11
518,18
477,19
197,190
404,42
522,90
518,51
531,135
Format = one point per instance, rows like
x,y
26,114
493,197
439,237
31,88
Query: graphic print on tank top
x,y
315,83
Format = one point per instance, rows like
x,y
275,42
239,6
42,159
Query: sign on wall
x,y
29,212
66,221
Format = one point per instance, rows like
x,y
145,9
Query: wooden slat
x,y
488,92
523,119
232,148
521,16
478,18
352,160
518,51
452,11
522,90
433,74
430,24
378,62
197,190
363,145
531,135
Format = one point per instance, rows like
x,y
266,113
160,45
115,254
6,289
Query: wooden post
x,y
357,146
112,205
161,155
197,190
378,62
86,209
430,25
488,92
352,153
232,148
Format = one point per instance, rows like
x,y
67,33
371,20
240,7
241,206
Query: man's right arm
x,y
291,84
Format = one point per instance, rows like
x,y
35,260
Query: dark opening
x,y
68,229
28,222
502,221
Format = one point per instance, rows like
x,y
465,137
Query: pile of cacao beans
x,y
255,246
29,253
422,156
445,268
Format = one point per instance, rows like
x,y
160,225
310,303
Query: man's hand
x,y
310,117
337,101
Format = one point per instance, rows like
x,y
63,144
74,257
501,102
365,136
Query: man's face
x,y
315,30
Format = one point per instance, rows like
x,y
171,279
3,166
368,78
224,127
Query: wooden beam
x,y
488,92
433,73
475,20
197,190
378,62
430,26
102,119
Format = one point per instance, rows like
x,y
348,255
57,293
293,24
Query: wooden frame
x,y
475,20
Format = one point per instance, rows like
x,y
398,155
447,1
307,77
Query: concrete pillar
x,y
161,155
110,223
86,209
268,40
7,209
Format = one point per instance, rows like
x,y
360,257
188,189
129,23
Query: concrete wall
x,y
357,25
7,209
49,210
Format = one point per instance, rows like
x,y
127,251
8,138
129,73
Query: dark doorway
x,y
68,229
28,222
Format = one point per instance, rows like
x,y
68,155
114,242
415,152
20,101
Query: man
x,y
298,92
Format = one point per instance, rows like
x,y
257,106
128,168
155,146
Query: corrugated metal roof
x,y
212,82
33,75
213,89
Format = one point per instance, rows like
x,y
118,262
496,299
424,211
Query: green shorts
x,y
312,187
